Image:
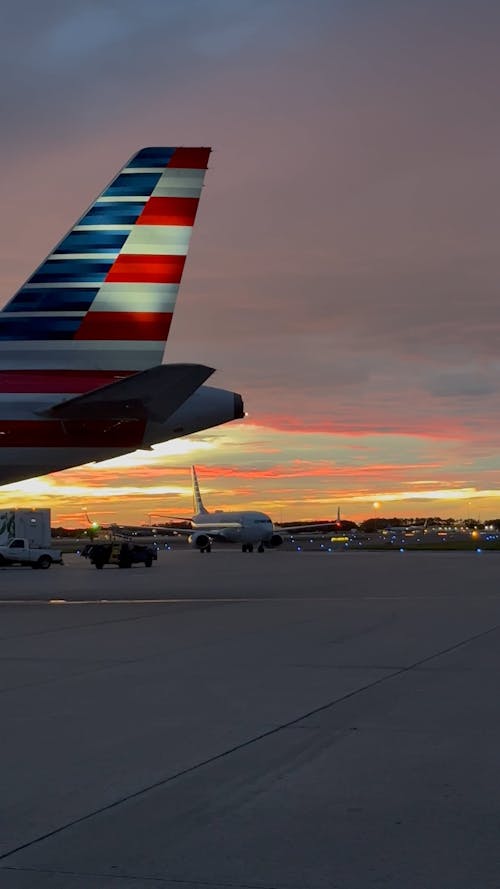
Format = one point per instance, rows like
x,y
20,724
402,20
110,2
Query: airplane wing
x,y
153,394
174,518
210,532
289,529
219,529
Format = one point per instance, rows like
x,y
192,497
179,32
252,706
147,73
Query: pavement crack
x,y
82,626
162,782
150,878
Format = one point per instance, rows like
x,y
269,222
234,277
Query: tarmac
x,y
289,720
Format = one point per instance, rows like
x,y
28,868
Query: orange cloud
x,y
433,428
304,469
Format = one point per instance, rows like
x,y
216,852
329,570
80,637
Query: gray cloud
x,y
465,382
347,240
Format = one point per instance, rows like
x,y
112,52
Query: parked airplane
x,y
82,376
247,527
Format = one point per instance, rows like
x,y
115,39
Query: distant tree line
x,y
376,523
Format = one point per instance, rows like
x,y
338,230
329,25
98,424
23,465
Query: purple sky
x,y
343,274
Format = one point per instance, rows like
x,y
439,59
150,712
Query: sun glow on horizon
x,y
290,476
177,447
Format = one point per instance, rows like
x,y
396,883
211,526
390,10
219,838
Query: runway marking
x,y
190,600
172,601
292,723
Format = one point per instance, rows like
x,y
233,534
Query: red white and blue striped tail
x,y
101,304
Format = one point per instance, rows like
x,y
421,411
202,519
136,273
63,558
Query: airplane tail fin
x,y
101,304
197,501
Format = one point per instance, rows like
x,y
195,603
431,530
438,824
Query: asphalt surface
x,y
277,721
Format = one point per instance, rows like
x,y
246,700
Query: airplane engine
x,y
199,540
276,540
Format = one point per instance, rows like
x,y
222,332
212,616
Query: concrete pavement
x,y
285,720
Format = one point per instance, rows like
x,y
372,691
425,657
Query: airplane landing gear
x,y
247,547
261,548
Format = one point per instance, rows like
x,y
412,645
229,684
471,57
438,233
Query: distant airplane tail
x,y
101,304
197,501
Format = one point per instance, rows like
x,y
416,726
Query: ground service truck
x,y
25,538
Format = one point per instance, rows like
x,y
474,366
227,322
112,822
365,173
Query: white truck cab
x,y
19,552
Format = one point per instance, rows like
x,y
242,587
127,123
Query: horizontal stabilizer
x,y
153,394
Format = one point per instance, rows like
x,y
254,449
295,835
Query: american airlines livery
x,y
82,342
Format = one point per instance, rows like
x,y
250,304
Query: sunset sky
x,y
343,274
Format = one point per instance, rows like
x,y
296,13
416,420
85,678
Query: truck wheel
x,y
44,562
99,565
3,561
148,562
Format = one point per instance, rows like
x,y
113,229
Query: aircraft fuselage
x,y
31,445
236,527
